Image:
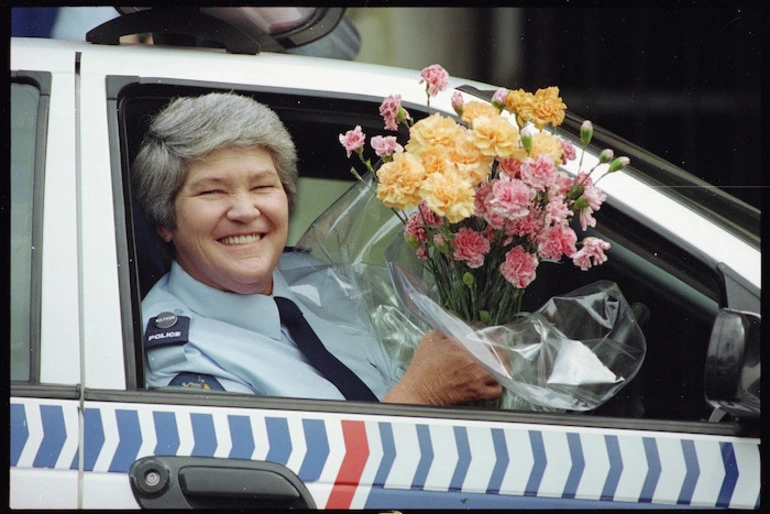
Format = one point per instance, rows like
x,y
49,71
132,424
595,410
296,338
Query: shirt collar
x,y
255,312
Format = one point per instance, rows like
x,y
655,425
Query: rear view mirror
x,y
732,378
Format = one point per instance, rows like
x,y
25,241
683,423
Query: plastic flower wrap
x,y
476,203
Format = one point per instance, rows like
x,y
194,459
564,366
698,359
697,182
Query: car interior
x,y
675,294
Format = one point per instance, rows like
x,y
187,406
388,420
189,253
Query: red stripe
x,y
349,476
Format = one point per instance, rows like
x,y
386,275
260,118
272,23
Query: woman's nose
x,y
242,208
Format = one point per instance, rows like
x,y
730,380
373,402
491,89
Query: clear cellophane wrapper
x,y
573,353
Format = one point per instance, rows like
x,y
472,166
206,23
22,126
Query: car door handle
x,y
208,482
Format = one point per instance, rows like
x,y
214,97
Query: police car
x,y
85,432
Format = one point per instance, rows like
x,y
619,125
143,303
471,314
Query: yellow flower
x,y
469,160
474,109
435,159
433,130
520,102
495,136
448,195
547,108
545,143
400,181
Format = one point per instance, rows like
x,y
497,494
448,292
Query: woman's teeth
x,y
240,240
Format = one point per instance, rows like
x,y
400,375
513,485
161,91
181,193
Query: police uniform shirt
x,y
237,341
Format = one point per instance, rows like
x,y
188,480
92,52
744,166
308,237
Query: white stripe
x,y
298,443
597,465
673,470
222,433
35,438
149,436
111,438
635,468
747,486
559,464
261,442
444,458
372,465
712,473
186,438
407,456
520,462
482,460
331,469
70,447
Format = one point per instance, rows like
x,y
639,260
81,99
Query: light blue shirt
x,y
239,339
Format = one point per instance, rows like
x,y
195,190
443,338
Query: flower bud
x,y
580,204
606,156
468,278
619,164
457,103
525,136
499,98
574,192
586,132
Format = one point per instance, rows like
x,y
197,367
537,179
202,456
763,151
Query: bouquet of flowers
x,y
482,200
491,202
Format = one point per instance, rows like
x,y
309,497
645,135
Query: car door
x,y
169,447
45,326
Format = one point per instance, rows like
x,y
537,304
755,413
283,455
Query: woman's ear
x,y
165,233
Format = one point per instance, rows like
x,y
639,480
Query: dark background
x,y
684,83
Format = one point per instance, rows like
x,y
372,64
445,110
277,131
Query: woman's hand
x,y
443,373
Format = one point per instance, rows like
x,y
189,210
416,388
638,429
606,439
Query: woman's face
x,y
232,220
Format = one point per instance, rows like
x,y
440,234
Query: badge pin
x,y
165,320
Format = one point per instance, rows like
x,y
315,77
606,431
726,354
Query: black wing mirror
x,y
732,378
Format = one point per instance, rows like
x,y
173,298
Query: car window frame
x,y
41,80
133,330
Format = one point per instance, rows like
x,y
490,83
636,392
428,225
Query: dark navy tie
x,y
351,387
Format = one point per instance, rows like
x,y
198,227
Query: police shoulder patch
x,y
166,328
196,381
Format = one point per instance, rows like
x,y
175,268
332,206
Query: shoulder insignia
x,y
166,328
196,381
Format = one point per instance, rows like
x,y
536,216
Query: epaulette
x,y
166,328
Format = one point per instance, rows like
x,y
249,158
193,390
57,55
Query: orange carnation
x,y
448,195
433,130
545,143
470,162
400,181
495,136
547,108
474,109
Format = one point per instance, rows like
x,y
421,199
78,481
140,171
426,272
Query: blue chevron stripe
x,y
279,440
539,464
653,470
166,432
130,434
204,435
388,454
242,437
463,458
19,431
93,438
731,475
54,436
616,468
578,465
693,472
501,461
317,443
426,457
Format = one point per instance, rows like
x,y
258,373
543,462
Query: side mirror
x,y
732,378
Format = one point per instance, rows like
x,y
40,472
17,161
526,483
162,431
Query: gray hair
x,y
187,129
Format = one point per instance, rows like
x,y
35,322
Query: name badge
x,y
166,328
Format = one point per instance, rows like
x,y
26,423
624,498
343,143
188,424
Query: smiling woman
x,y
216,177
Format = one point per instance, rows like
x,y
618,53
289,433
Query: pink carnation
x,y
567,151
529,226
510,198
540,173
519,267
586,217
352,140
594,197
556,211
414,228
389,110
429,217
555,241
500,96
593,250
435,78
385,145
510,168
562,183
471,247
